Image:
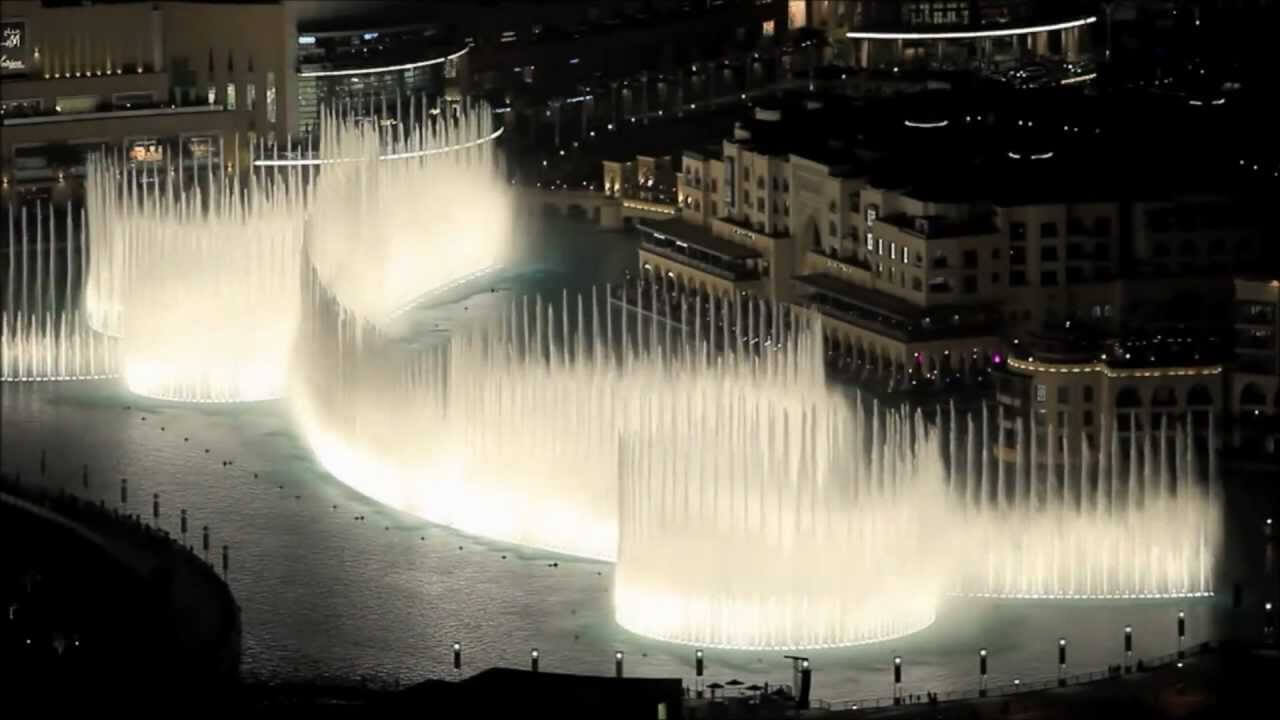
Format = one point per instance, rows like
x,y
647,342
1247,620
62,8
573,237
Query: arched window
x,y
1128,397
1164,396
1253,396
1199,396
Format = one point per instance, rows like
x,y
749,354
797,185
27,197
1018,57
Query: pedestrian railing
x,y
1021,686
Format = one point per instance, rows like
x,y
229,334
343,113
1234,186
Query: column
x,y
555,117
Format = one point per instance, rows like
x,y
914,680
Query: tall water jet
x,y
1147,528
202,283
778,517
43,334
408,207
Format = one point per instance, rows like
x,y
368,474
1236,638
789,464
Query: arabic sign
x,y
13,46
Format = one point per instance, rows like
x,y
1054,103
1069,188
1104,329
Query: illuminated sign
x,y
13,46
146,151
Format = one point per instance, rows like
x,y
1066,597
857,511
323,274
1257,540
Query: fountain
x,y
1132,518
201,283
407,207
42,333
778,517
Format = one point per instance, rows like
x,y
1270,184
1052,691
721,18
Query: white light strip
x,y
1078,79
913,123
387,68
1005,32
60,378
393,156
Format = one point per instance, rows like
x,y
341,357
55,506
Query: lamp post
x,y
697,672
1062,662
1128,649
617,663
1182,632
982,672
897,679
1267,625
457,655
533,660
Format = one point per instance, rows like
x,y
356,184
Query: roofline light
x,y
1004,32
387,68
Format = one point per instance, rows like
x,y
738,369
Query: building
x,y
369,65
950,34
1255,374
932,235
151,81
1080,386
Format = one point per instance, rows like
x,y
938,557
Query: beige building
x,y
1081,390
1255,375
151,81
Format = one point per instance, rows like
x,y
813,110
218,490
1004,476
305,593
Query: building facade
x,y
1255,374
152,82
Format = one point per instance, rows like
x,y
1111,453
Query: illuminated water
x,y
201,285
1084,522
43,335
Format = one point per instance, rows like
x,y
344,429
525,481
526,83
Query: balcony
x,y
891,316
693,246
53,117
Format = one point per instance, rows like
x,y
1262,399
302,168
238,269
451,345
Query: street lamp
x,y
1128,649
1267,626
457,655
617,663
897,679
1062,662
1182,632
982,672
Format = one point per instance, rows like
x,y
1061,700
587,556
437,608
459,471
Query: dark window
x,y
995,253
916,284
1017,232
831,228
1064,394
1075,251
1088,393
995,278
714,184
1048,230
939,260
971,258
1049,278
971,284
1102,251
1160,250
1102,227
1075,274
1088,418
1049,253
760,204
1017,256
1017,278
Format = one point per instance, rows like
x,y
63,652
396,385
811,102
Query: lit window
x,y
906,254
231,96
871,242
1041,393
271,96
880,245
250,96
213,93
893,249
